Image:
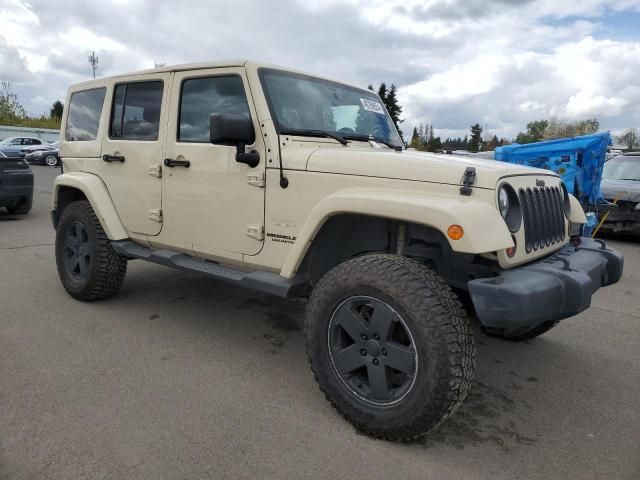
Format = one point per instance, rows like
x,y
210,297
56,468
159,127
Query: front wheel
x,y
88,267
389,345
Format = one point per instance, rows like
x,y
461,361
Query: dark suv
x,y
16,185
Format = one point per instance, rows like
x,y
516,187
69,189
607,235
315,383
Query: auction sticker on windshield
x,y
372,106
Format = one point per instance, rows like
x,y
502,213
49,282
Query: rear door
x,y
132,150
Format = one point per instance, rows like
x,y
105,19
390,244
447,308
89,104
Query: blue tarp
x,y
579,161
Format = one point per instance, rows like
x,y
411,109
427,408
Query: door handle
x,y
113,158
170,162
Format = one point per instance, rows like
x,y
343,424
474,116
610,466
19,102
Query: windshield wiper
x,y
314,133
366,138
631,179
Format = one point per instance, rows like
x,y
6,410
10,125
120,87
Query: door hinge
x,y
155,170
155,215
256,179
256,231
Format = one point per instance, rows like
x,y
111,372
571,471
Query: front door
x,y
211,203
132,150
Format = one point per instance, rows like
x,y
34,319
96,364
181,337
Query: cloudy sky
x,y
501,63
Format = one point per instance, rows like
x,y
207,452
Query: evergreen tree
x,y
393,107
476,138
56,110
382,93
415,139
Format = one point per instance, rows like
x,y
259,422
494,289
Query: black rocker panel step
x,y
266,282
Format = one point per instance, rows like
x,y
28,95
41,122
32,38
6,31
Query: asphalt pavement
x,y
183,377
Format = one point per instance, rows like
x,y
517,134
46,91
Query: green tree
x,y
415,139
476,138
390,100
11,110
564,128
382,92
56,110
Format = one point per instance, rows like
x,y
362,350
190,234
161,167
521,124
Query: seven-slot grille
x,y
543,216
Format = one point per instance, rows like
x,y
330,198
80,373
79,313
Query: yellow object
x,y
604,217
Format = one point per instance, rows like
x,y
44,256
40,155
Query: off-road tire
x,y
106,269
20,209
521,337
438,324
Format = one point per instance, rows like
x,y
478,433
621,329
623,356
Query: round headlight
x,y
509,206
503,201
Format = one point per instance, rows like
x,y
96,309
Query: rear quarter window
x,y
85,109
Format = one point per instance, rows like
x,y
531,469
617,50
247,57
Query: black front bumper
x,y
556,287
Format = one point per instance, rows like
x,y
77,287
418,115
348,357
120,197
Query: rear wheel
x,y
87,265
389,345
51,160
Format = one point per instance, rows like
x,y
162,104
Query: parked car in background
x,y
43,155
621,184
14,146
16,184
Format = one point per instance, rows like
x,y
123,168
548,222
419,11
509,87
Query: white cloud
x,y
456,62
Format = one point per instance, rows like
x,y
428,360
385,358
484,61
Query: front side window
x,y
300,103
200,97
136,111
85,108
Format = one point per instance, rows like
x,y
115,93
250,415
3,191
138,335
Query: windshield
x,y
622,168
302,103
6,141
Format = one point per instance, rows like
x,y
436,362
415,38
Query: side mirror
x,y
234,129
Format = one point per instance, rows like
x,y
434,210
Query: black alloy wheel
x,y
372,350
77,250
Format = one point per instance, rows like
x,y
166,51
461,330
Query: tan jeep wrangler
x,y
299,186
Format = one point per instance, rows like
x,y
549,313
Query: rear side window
x,y
201,97
136,111
85,108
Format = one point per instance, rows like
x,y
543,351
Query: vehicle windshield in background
x,y
304,104
622,168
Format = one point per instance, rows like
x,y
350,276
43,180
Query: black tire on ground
x,y
422,318
20,209
87,265
521,336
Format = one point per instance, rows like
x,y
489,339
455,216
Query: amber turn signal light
x,y
455,232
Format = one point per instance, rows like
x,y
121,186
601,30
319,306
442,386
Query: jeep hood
x,y
415,166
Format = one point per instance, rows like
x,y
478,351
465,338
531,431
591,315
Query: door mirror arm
x,y
251,158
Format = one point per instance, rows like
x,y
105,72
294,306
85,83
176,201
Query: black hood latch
x,y
468,179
